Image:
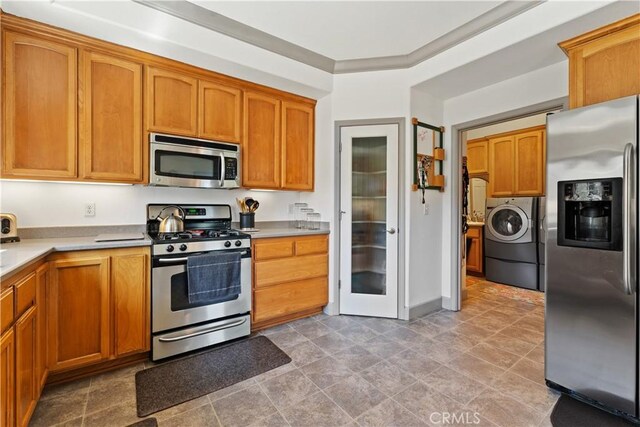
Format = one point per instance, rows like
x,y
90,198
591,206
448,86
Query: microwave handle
x,y
222,169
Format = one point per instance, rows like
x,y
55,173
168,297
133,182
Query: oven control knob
x,y
238,243
169,248
227,244
183,247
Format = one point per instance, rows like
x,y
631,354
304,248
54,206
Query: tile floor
x,y
482,365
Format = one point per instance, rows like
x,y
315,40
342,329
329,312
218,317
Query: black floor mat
x,y
178,381
570,412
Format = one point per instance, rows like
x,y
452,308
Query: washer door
x,y
507,223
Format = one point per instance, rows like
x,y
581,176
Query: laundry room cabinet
x,y
517,163
477,156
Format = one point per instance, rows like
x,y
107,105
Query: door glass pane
x,y
369,207
507,222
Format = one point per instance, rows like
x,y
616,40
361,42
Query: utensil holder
x,y
247,220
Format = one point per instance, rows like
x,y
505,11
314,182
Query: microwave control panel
x,y
230,168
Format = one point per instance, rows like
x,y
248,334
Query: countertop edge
x,y
49,248
266,234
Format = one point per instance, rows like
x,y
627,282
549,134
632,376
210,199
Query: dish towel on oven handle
x,y
213,276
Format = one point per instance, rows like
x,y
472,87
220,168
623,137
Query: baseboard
x,y
447,303
425,308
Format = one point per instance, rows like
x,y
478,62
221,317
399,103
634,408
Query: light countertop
x,y
14,256
475,223
283,229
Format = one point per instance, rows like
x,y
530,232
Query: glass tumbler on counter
x,y
304,212
313,221
298,216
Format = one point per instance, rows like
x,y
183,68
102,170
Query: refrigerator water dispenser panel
x,y
590,214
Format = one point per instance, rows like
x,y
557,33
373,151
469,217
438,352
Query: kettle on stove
x,y
171,223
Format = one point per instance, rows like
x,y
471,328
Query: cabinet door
x,y
26,366
529,173
40,108
79,329
42,276
219,112
7,379
111,142
602,69
477,156
130,283
297,146
474,255
501,166
261,148
172,100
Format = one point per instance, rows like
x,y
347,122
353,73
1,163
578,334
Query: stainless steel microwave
x,y
178,161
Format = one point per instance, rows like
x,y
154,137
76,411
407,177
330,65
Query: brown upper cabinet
x,y
477,155
297,146
111,143
172,102
516,163
261,147
40,108
95,103
219,112
278,148
604,63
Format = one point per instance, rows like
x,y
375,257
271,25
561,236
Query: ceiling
x,y
344,30
348,36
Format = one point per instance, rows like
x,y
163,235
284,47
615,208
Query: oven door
x,y
191,166
170,305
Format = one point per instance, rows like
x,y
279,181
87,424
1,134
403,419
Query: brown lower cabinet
x,y
100,298
290,278
475,256
72,311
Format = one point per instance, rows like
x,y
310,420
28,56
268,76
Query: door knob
x,y
391,230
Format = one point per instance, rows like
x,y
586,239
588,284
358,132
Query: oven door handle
x,y
215,328
183,259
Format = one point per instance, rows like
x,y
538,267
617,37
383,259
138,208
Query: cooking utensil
x,y
249,203
171,223
255,206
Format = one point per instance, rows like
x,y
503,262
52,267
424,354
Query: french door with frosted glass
x,y
369,221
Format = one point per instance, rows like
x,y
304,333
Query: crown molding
x,y
206,18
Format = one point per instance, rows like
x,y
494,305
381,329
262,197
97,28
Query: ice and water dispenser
x,y
590,214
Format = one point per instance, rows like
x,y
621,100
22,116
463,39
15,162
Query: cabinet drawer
x,y
312,246
25,294
473,232
290,269
272,249
6,309
288,298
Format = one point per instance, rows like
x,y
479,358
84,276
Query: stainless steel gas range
x,y
178,325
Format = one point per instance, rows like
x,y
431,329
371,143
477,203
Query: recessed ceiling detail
x,y
346,37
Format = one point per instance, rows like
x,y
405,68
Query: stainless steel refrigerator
x,y
591,254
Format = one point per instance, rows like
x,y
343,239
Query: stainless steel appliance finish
x,y
542,237
190,162
178,326
9,228
591,317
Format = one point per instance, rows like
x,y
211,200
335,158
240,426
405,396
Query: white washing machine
x,y
511,241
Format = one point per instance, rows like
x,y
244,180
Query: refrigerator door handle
x,y
628,249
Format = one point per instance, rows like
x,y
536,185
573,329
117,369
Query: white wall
x,y
48,204
539,86
424,254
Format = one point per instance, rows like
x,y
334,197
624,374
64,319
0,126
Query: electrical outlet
x,y
426,208
90,209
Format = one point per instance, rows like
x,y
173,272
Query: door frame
x,y
456,181
334,307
